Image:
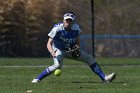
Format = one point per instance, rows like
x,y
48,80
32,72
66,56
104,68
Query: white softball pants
x,y
58,60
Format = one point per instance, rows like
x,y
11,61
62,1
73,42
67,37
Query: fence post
x,y
92,28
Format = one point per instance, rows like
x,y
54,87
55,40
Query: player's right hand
x,y
53,53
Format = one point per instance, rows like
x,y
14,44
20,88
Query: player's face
x,y
68,23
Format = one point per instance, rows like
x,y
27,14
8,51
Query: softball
x,y
57,72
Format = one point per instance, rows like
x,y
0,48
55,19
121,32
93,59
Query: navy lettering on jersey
x,y
62,38
65,39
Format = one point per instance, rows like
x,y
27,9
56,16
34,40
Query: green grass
x,y
75,77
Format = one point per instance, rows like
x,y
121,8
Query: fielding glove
x,y
75,51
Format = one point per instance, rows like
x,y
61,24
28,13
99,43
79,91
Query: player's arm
x,y
78,41
78,38
50,41
49,46
75,50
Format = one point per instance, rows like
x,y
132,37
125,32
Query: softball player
x,y
63,40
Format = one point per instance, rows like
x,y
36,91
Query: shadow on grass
x,y
96,82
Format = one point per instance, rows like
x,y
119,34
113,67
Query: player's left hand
x,y
75,51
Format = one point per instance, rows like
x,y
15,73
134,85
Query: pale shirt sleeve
x,y
79,29
53,32
76,27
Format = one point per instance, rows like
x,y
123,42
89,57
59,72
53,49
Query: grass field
x,y
16,75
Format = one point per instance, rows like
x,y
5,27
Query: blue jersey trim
x,y
58,24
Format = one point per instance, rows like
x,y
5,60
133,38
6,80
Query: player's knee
x,y
56,65
91,60
87,58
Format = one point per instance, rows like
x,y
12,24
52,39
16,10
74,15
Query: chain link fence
x,y
117,28
24,25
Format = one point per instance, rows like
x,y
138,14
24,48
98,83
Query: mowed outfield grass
x,y
16,75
